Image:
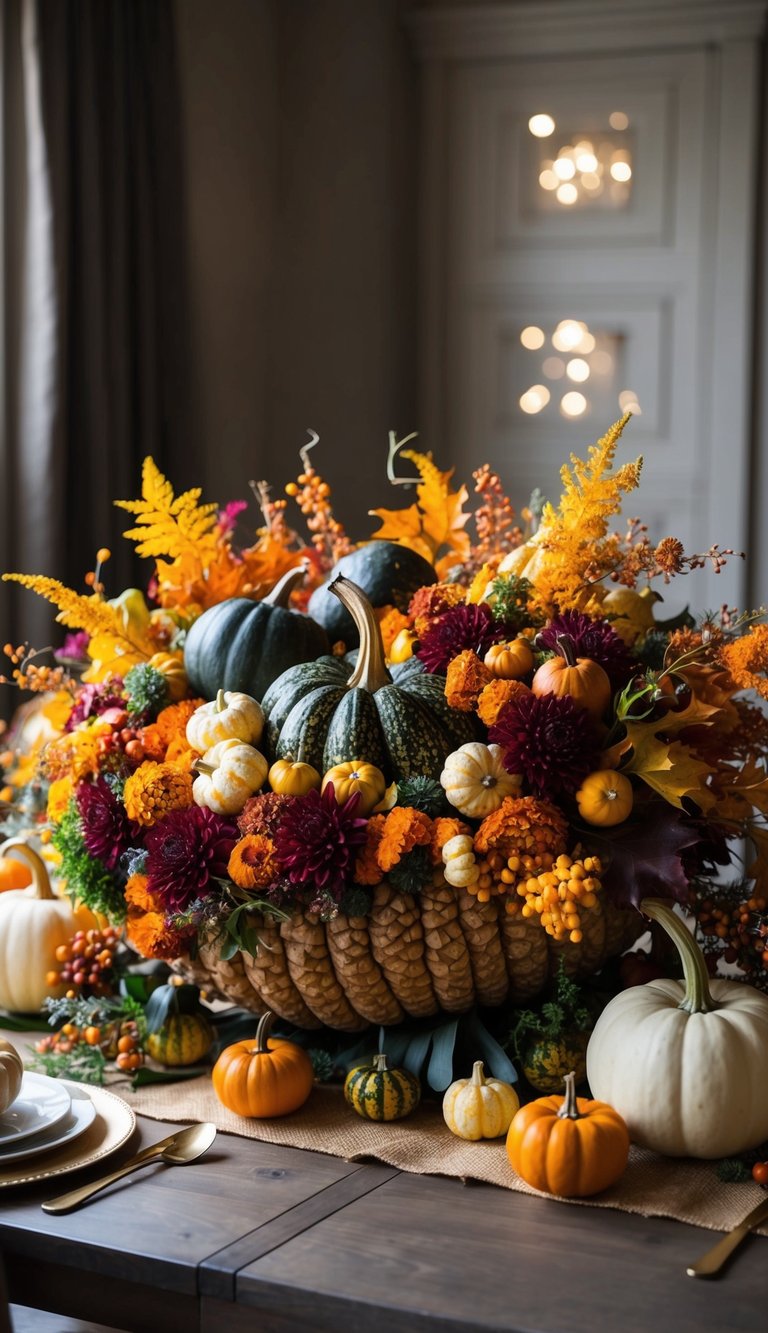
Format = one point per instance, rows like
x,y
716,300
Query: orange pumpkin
x,y
569,1145
580,677
292,779
510,661
356,776
605,798
13,875
263,1078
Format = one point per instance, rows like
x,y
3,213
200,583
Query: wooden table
x,y
255,1236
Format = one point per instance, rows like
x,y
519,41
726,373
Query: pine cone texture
x,y
363,981
311,969
480,924
447,956
269,976
397,940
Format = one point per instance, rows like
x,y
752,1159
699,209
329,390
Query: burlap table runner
x,y
652,1186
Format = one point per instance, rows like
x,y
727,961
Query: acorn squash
x,y
242,645
388,574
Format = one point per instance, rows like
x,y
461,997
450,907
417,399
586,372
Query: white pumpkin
x,y
33,923
460,867
230,716
684,1063
479,1107
475,780
11,1074
228,774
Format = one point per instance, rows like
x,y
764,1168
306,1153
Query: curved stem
x,y
698,997
284,587
478,1074
570,1107
221,702
201,767
370,672
262,1033
567,649
41,882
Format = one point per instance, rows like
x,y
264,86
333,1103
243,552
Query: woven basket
x,y
412,957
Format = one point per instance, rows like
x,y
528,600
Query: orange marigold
x,y
495,696
444,828
138,896
430,602
465,678
746,660
172,721
154,790
367,868
404,828
523,825
253,862
149,935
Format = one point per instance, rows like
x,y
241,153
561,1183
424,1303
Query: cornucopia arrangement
x,y
363,784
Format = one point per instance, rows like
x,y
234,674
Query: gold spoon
x,y
178,1149
710,1263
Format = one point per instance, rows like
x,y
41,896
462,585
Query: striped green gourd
x,y
334,710
379,1093
182,1040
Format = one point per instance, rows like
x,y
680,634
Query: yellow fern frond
x,y
75,611
427,470
169,525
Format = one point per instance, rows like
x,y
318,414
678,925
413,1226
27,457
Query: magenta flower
x,y
107,830
548,740
186,850
316,840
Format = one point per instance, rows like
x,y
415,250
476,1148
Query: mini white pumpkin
x,y
460,867
11,1073
228,774
479,1107
230,716
684,1063
475,780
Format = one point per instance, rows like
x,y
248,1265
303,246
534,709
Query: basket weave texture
x,y
413,956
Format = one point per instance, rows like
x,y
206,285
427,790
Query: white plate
x,y
42,1102
112,1127
82,1113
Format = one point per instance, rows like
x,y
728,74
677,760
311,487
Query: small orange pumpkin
x,y
263,1078
289,778
579,677
510,661
13,874
605,798
569,1145
356,776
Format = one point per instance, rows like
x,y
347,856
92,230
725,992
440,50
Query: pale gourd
x,y
479,1107
33,923
11,1074
684,1062
475,780
230,716
228,774
459,865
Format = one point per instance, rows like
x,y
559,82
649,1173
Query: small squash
x,y
184,1039
230,716
264,1077
708,1096
605,798
479,1108
228,774
171,668
293,779
547,1060
11,1074
510,661
459,864
580,678
401,648
569,1146
13,874
357,776
475,780
377,1092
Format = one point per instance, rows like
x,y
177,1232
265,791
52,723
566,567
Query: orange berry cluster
x,y
742,927
87,962
554,889
28,676
312,495
494,519
118,1041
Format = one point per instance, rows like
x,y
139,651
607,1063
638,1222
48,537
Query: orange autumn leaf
x,y
436,521
741,790
669,768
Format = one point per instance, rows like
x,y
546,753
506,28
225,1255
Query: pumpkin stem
x,y
478,1075
262,1033
567,649
570,1107
200,767
41,883
698,997
221,702
284,587
380,1063
370,673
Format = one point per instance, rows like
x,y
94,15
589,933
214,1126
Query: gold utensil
x,y
709,1264
178,1149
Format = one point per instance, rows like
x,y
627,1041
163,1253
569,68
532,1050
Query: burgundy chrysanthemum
x,y
263,814
185,850
468,626
317,838
548,740
93,700
596,639
107,830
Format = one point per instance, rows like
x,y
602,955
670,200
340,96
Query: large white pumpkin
x,y
684,1063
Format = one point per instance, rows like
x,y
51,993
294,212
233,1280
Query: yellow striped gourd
x,y
379,1093
182,1040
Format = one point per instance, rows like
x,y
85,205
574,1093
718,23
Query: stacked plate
x,y
54,1127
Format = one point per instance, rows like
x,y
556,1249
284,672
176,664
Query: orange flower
x,y
181,754
367,869
138,896
495,696
466,677
253,862
172,721
523,825
444,828
430,602
152,742
59,796
149,935
404,829
154,790
390,624
746,660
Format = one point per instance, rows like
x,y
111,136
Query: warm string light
x,y
581,363
580,171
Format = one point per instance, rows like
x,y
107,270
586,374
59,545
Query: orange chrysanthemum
x,y
367,868
444,828
76,755
523,825
430,602
495,696
746,660
172,721
156,789
149,934
253,862
138,896
404,829
465,678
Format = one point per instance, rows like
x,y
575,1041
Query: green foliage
x,y
322,1063
240,931
87,878
412,871
733,1171
146,690
566,1011
425,794
510,594
83,1064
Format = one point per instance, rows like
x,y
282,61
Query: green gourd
x,y
379,1093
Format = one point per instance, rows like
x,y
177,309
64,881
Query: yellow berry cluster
x,y
554,889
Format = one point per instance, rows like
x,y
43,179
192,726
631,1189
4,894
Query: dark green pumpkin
x,y
244,645
389,574
336,709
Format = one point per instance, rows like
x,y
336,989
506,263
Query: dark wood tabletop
x,y
259,1236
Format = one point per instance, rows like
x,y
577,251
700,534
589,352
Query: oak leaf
x,y
670,768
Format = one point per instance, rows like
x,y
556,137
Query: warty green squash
x,y
327,712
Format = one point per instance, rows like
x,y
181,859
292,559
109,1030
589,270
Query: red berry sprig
x,y
87,962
